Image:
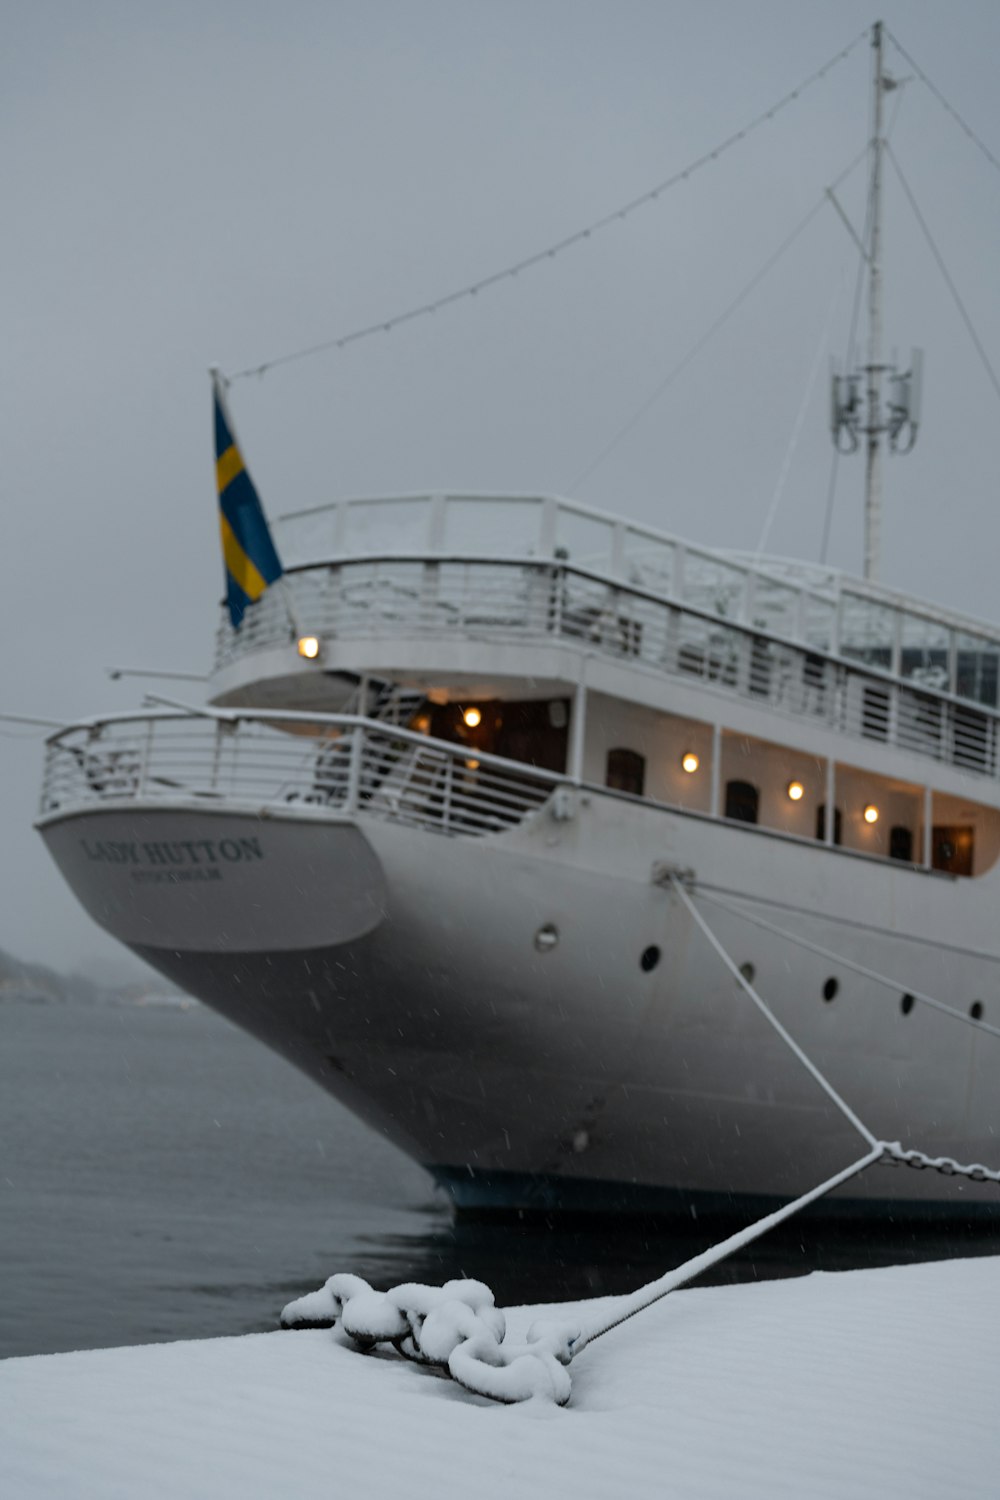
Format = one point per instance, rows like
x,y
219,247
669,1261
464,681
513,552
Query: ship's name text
x,y
164,853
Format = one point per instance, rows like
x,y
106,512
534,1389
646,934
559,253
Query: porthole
x,y
976,1010
547,937
830,989
650,958
748,971
906,1004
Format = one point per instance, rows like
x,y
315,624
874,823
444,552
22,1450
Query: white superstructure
x,y
432,864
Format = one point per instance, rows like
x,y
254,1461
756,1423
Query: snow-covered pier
x,y
865,1383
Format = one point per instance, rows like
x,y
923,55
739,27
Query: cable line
x,y
944,272
710,333
944,103
386,325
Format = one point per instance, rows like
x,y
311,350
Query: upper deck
x,y
414,584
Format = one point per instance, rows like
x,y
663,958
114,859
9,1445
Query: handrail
x,y
564,603
365,766
826,583
247,758
556,567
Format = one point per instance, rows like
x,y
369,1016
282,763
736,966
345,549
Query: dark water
x,y
163,1176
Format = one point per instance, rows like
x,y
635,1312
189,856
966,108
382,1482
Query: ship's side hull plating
x,y
537,1019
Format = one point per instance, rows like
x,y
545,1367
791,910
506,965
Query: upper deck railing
x,y
337,762
817,608
530,603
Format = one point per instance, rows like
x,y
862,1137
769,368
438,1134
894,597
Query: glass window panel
x,y
387,526
866,630
713,585
506,526
776,607
977,667
925,651
818,616
649,562
587,540
306,538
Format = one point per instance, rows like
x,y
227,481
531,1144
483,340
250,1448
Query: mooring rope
x,y
771,1018
459,1328
848,963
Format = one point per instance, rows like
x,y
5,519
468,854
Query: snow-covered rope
x,y
848,963
457,1327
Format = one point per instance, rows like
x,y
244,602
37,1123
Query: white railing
x,y
338,762
814,607
511,601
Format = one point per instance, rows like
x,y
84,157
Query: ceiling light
x,y
472,717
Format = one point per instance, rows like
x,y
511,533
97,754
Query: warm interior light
x,y
308,647
871,813
472,717
796,791
690,762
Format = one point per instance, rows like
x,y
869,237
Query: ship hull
x,y
535,1017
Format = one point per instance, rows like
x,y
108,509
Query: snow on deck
x,y
865,1383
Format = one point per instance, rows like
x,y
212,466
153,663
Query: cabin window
x,y
952,848
534,732
742,801
626,771
901,843
821,823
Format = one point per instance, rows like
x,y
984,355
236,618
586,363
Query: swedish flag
x,y
251,560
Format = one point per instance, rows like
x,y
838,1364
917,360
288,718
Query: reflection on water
x,y
543,1262
162,1177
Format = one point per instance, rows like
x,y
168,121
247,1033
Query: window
x,y
626,771
952,849
742,801
821,823
901,843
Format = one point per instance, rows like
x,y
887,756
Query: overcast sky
x,y
201,182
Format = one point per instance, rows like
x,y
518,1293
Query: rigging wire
x,y
386,325
851,343
943,101
793,442
953,289
720,321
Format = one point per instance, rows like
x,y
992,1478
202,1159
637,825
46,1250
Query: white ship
x,y
463,776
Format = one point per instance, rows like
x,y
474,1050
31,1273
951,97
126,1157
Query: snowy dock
x,y
878,1383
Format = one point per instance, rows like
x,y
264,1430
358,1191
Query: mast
x,y
873,369
852,415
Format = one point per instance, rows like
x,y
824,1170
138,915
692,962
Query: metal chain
x,y
893,1155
